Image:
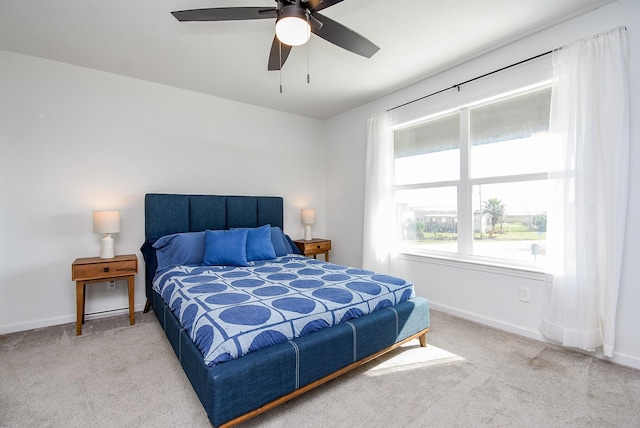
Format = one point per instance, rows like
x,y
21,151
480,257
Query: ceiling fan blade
x,y
225,14
342,36
278,55
317,5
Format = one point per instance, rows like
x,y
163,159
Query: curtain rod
x,y
457,86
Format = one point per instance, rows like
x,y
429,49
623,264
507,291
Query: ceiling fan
x,y
301,14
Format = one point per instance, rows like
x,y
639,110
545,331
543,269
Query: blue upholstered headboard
x,y
172,213
166,214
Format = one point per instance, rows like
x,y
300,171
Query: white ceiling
x,y
141,39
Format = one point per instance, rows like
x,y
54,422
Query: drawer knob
x,y
318,246
106,269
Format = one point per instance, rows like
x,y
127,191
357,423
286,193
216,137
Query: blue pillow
x,y
259,246
180,249
226,247
278,242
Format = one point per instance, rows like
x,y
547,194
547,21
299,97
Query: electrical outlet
x,y
525,294
111,285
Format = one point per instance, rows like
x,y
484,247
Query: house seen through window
x,y
471,183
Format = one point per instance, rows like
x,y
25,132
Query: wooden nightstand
x,y
314,247
94,269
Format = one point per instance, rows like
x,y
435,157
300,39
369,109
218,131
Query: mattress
x,y
230,311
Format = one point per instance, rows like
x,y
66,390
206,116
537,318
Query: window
x,y
471,183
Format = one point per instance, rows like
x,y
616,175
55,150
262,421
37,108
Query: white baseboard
x,y
622,359
500,325
32,325
618,358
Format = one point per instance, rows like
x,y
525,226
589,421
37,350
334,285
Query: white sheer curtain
x,y
378,239
586,227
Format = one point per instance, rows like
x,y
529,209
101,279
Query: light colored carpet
x,y
117,375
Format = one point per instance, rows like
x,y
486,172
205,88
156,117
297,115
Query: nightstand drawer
x,y
104,269
317,247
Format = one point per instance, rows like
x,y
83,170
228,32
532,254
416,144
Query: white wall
x,y
73,140
487,295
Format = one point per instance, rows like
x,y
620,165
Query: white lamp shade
x,y
292,27
106,221
308,216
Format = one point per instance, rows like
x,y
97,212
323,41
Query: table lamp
x,y
106,222
308,218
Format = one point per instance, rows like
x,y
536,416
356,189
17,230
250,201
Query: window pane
x,y
428,219
510,136
428,152
510,220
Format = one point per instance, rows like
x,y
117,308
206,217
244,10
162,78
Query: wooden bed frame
x,y
237,390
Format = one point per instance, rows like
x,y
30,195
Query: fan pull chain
x,y
308,76
308,43
280,71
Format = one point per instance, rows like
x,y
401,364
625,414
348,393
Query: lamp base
x,y
307,233
106,250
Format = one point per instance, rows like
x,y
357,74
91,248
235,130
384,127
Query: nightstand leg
x,y
79,307
131,282
84,300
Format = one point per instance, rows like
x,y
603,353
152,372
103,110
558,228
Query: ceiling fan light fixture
x,y
292,27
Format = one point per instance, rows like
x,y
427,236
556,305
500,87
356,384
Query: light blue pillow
x,y
278,242
180,249
226,247
259,246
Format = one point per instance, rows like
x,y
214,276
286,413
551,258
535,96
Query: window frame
x,y
465,184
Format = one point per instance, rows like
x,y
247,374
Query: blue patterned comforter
x,y
231,311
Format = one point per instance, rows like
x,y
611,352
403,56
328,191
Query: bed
x,y
237,375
